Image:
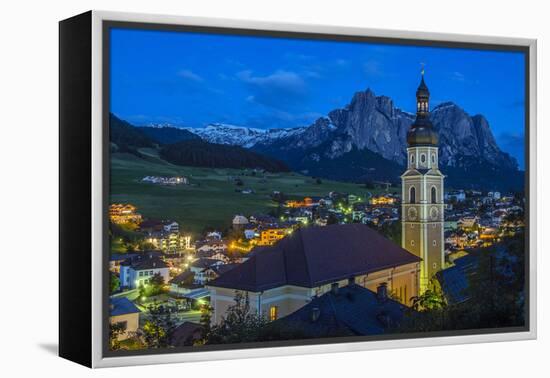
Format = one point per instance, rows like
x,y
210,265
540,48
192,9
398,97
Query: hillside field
x,y
210,200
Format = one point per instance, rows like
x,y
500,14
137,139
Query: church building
x,y
422,193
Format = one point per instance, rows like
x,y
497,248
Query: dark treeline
x,y
203,154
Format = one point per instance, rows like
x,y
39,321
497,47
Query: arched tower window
x,y
434,194
412,195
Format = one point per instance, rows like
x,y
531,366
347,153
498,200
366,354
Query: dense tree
x,y
158,328
239,325
154,287
198,153
431,300
127,137
114,283
115,330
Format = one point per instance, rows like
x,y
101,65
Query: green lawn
x,y
211,199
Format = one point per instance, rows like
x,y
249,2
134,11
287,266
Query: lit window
x,y
273,313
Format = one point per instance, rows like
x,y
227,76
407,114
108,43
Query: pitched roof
x,y
185,334
146,261
182,277
354,310
204,262
122,306
314,256
222,268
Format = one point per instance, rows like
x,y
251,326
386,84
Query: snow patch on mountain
x,y
221,133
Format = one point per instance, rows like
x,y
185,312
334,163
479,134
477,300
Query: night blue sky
x,y
193,79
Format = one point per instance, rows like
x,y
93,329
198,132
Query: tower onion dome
x,y
421,132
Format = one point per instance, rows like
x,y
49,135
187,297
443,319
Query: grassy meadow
x,y
211,199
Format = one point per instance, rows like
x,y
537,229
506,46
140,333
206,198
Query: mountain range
x,y
182,147
366,141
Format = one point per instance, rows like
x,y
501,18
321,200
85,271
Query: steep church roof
x,y
315,256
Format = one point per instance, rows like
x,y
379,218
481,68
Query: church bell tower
x,y
422,193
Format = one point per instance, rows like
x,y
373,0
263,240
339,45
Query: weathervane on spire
x,y
422,69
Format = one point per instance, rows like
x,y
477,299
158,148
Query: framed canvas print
x,y
234,189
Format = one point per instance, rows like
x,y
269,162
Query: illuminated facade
x,y
307,202
382,200
270,236
124,213
422,193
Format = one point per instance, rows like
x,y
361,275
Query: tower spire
x,y
421,131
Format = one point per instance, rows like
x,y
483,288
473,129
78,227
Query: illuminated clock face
x,y
434,213
412,213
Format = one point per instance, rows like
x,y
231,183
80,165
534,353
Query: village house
x,y
214,235
213,255
283,278
124,313
177,180
115,259
169,242
151,226
306,202
212,272
171,226
124,213
382,200
467,223
139,270
269,235
199,269
185,334
259,219
184,284
458,196
239,222
215,245
250,233
347,311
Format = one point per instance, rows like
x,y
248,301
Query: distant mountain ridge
x,y
469,154
241,136
181,147
167,134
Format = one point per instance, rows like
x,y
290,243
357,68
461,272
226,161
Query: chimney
x,y
351,281
334,288
382,292
315,314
